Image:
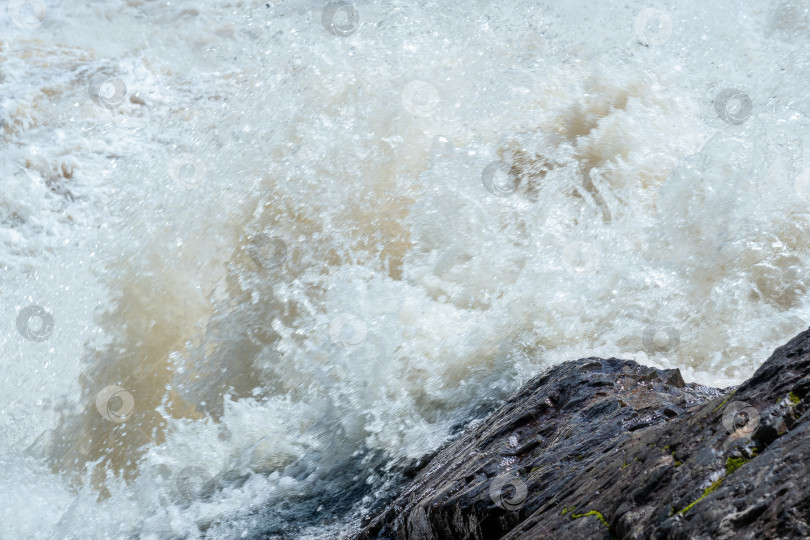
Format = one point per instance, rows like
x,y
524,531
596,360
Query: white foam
x,y
400,293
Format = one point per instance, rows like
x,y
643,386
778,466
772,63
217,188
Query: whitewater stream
x,y
257,257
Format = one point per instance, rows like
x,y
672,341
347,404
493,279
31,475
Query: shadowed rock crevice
x,y
607,448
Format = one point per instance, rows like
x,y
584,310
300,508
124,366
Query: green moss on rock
x,y
728,397
732,464
706,491
596,513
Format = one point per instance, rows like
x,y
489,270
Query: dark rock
x,y
611,449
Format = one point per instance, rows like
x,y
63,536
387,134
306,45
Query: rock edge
x,y
608,448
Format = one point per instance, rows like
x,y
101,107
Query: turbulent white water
x,y
288,247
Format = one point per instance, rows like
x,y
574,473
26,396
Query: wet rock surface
x,y
607,448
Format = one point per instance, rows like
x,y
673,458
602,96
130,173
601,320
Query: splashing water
x,y
259,257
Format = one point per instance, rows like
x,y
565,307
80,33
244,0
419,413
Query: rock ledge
x,y
607,448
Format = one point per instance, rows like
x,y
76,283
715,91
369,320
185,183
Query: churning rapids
x,y
257,257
